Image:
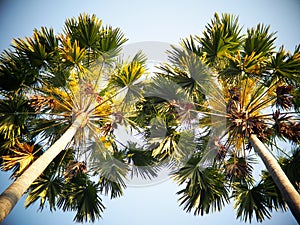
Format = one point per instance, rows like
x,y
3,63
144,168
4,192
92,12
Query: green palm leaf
x,y
141,162
130,72
13,116
286,66
272,194
251,200
111,40
16,72
291,167
127,76
93,37
110,187
81,195
239,168
221,37
85,29
47,189
187,70
205,188
111,166
73,53
259,41
38,49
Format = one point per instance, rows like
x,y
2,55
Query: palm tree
x,y
62,98
224,87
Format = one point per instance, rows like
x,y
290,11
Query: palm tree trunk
x,y
289,193
10,197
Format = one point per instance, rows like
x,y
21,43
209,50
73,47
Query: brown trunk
x,y
10,197
288,192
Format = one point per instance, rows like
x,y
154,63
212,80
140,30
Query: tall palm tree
x,y
233,93
62,98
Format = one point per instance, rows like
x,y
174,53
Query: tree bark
x,y
10,197
289,193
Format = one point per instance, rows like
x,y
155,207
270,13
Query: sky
x,y
152,25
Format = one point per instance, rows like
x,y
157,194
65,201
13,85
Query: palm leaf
x,y
166,90
141,162
110,187
222,36
205,188
23,154
85,29
47,189
272,194
129,73
127,79
81,196
239,168
73,53
14,113
286,66
259,41
16,72
291,167
110,165
250,201
38,49
111,41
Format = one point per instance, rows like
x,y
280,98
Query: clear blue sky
x,y
157,20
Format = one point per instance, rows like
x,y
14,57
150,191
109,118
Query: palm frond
x,y
22,155
221,37
259,41
16,73
81,196
85,29
47,189
205,188
14,114
72,53
239,168
111,41
109,164
285,66
141,162
38,49
291,167
251,200
273,196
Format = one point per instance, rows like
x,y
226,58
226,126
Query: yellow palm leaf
x,y
23,155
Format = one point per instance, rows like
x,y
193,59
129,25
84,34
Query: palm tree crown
x,y
73,79
234,91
